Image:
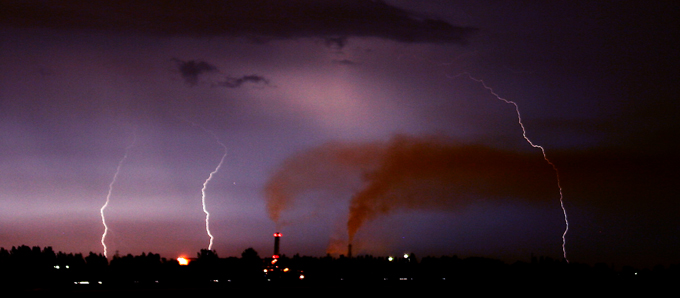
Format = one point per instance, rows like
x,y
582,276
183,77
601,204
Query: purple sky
x,y
596,84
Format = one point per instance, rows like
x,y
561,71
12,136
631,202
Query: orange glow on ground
x,y
183,261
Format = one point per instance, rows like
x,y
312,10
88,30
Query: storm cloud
x,y
332,21
231,82
192,69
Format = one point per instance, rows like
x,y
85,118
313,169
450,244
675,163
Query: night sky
x,y
328,107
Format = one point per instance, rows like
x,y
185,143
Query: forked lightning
x,y
108,196
524,134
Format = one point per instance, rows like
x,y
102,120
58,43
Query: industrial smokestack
x,y
277,239
349,250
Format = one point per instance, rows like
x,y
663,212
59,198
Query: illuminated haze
x,y
342,113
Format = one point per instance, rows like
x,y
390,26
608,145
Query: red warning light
x,y
275,256
277,234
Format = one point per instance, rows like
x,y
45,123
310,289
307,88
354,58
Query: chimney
x,y
349,250
277,239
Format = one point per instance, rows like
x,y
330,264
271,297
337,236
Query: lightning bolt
x,y
205,184
545,156
108,196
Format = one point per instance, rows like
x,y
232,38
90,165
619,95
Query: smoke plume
x,y
436,174
333,166
411,173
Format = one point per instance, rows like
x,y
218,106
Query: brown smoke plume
x,y
329,167
409,173
436,174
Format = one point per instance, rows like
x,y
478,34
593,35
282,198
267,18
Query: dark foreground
x,y
403,288
39,272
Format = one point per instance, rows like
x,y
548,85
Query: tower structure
x,y
277,240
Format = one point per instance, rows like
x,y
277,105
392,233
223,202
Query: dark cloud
x,y
230,82
336,42
192,69
332,21
344,62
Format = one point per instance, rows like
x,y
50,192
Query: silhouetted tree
x,y
96,261
250,268
250,254
27,267
207,254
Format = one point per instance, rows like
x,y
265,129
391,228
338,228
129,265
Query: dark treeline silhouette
x,y
31,268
